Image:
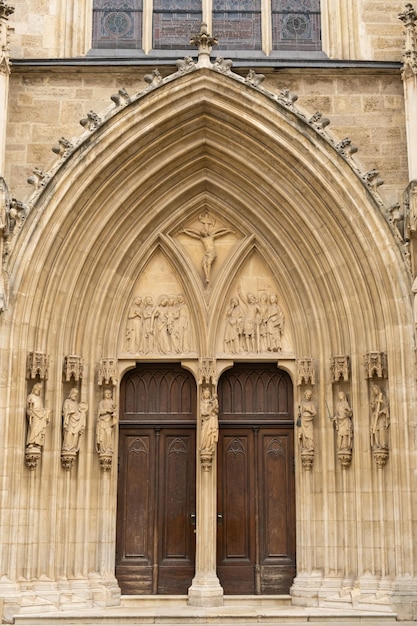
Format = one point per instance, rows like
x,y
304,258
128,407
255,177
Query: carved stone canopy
x,y
37,365
339,367
375,364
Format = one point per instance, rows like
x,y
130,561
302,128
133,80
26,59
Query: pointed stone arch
x,y
208,137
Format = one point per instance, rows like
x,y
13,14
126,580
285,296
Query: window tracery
x,y
245,25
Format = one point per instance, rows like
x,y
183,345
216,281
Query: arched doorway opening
x,y
155,543
256,495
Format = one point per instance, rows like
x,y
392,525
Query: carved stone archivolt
x,y
254,323
158,325
307,411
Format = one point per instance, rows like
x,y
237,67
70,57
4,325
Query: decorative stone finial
x,y
204,42
409,18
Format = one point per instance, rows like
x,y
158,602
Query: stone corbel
x,y
340,368
306,373
375,364
37,365
107,372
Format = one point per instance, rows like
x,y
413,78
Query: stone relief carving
x,y
73,426
339,367
306,371
207,235
163,328
344,430
380,422
38,419
254,323
209,411
306,414
106,420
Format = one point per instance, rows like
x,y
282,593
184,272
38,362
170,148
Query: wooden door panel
x,y
176,505
256,535
276,511
135,510
236,542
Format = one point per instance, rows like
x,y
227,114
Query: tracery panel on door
x,y
155,544
256,508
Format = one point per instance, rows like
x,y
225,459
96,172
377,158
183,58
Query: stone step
x,y
236,610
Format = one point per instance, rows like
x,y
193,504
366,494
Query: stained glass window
x,y
117,24
174,22
296,25
237,24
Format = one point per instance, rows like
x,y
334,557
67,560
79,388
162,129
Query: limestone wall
x,y
45,105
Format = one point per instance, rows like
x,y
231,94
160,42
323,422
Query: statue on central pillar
x,y
209,412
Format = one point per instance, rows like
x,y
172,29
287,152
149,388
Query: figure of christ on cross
x,y
207,237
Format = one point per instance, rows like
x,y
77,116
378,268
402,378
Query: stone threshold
x,y
239,610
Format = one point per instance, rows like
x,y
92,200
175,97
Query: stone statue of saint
x,y
207,236
343,422
37,416
209,410
106,419
380,420
73,421
308,412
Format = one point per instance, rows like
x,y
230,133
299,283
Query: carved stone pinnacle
x,y
204,42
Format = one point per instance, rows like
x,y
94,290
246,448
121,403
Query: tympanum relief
x,y
158,325
207,235
254,321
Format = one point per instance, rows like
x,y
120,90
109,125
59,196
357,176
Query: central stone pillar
x,y
205,589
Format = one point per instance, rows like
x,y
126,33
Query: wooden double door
x,y
157,481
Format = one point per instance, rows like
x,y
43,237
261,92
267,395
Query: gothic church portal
x,y
207,331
